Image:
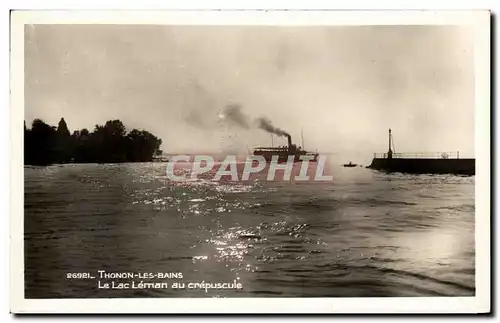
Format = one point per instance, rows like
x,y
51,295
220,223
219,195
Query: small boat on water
x,y
160,159
350,165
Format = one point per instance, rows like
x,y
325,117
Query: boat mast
x,y
302,135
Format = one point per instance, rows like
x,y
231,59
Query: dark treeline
x,y
45,144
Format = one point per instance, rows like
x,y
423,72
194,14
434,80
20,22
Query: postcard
x,y
250,162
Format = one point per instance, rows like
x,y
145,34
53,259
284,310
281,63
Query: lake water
x,y
365,233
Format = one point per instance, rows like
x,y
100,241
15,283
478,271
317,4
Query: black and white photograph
x,y
316,158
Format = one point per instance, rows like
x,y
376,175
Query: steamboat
x,y
281,154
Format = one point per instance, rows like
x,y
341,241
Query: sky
x,y
342,86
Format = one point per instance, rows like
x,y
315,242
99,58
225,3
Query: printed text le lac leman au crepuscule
x,y
132,284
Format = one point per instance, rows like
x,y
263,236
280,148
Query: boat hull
x,y
283,158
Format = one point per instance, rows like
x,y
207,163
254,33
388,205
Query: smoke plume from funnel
x,y
233,115
266,125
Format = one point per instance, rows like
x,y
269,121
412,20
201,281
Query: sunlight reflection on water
x,y
363,234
